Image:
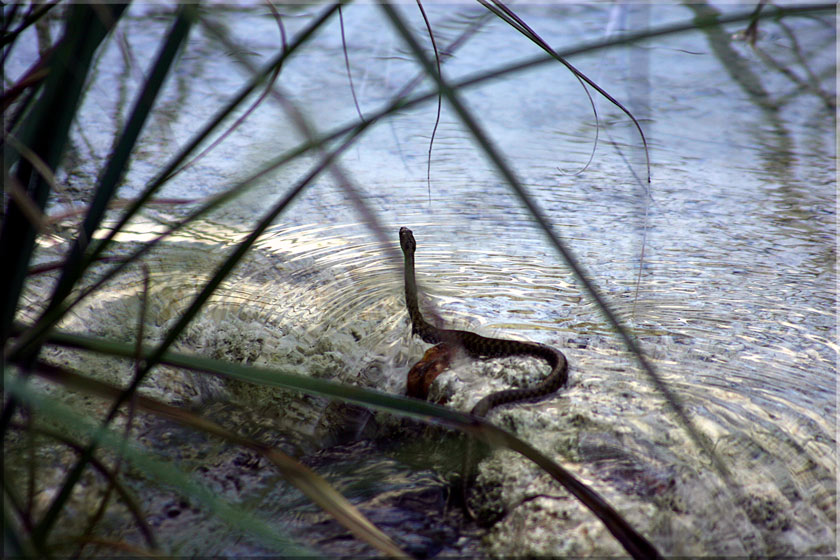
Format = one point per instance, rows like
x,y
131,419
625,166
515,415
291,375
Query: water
x,y
722,266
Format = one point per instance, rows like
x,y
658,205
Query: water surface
x,y
723,266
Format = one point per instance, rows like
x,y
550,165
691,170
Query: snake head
x,y
407,242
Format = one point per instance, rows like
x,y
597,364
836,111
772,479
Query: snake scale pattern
x,y
477,346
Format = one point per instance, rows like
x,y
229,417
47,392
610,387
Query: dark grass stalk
x,y
751,33
33,159
36,12
45,131
12,499
508,16
347,64
6,20
439,101
27,206
13,545
11,122
32,77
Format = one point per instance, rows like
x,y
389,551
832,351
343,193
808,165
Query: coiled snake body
x,y
477,346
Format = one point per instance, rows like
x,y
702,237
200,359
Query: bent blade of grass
x,y
508,16
347,64
307,481
427,412
155,468
439,101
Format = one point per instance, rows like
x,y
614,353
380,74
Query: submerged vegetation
x,y
77,430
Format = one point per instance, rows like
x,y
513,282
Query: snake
x,y
480,347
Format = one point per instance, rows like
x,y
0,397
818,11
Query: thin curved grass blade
x,y
507,15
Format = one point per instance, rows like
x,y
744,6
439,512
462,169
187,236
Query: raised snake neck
x,y
478,346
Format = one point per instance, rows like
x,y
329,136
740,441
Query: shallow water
x,y
723,266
